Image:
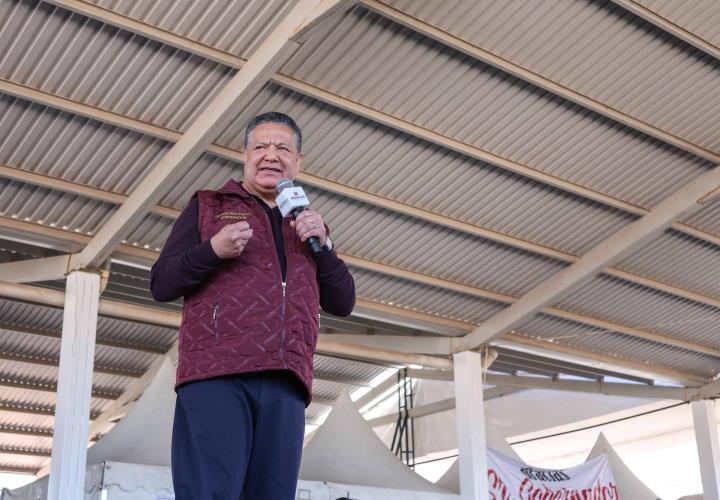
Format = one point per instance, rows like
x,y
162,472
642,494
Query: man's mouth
x,y
270,169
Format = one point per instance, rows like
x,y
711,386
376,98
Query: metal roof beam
x,y
26,431
34,385
711,390
670,27
683,202
610,389
329,377
461,327
46,181
592,387
71,238
440,406
38,269
536,79
33,452
47,361
17,470
618,363
438,346
102,341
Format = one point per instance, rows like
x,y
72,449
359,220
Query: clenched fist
x,y
231,240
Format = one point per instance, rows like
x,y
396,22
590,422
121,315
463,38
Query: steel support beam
x,y
609,388
635,367
437,346
683,202
328,346
31,270
440,406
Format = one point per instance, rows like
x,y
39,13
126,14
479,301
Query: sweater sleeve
x,y
185,261
337,287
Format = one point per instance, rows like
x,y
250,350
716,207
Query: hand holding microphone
x,y
309,225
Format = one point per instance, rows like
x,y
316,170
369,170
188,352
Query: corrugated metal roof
x,y
355,152
573,334
679,259
18,441
600,50
386,66
640,307
53,208
84,60
416,245
407,295
708,218
344,368
50,319
700,17
427,248
234,27
74,148
21,461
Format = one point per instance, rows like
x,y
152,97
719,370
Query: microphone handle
x,y
314,245
313,242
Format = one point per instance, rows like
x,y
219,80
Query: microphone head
x,y
284,184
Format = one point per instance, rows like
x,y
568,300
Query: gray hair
x,y
274,117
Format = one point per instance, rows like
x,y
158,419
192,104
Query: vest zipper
x,y
282,322
216,309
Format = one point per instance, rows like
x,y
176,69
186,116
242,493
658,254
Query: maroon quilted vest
x,y
243,318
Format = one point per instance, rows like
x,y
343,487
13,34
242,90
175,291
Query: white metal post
x,y
706,436
72,410
471,425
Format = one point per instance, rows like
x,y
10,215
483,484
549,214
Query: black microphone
x,y
292,200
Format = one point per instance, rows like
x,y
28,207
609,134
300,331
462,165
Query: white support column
x,y
72,410
470,410
706,436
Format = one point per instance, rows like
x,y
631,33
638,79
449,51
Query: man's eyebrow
x,y
266,143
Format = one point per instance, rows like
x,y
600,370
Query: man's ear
x,y
298,164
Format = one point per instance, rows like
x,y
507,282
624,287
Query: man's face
x,y
271,155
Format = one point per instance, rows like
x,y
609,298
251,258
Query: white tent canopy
x,y
629,486
145,434
346,450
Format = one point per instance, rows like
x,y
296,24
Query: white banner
x,y
512,480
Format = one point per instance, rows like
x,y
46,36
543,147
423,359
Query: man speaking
x,y
253,289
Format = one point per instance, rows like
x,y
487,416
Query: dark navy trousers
x,y
238,437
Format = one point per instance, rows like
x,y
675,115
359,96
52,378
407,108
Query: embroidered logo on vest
x,y
232,215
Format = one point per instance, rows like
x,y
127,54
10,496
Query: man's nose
x,y
271,153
